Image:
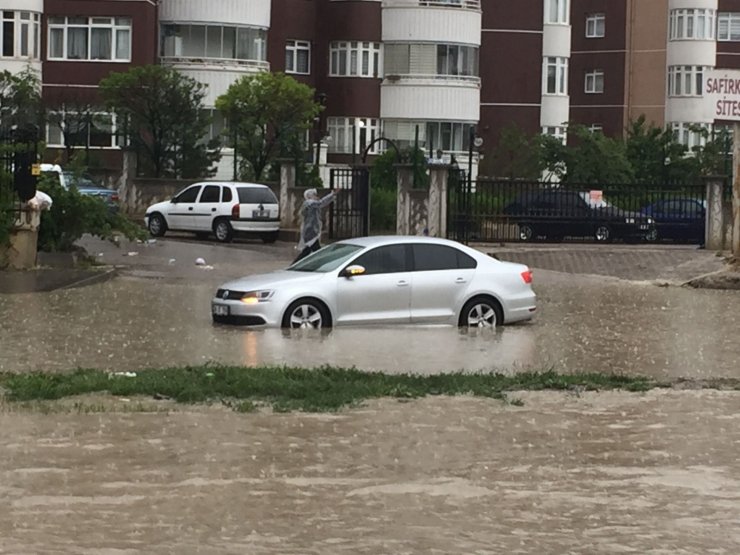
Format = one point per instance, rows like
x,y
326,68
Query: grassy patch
x,y
287,389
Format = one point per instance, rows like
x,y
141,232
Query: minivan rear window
x,y
256,195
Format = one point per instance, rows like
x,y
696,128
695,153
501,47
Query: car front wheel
x,y
306,313
223,231
481,313
157,225
526,233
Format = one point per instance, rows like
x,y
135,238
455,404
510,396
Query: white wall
x,y
237,12
430,100
426,24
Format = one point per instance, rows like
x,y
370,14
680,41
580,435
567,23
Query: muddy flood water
x,y
587,473
595,474
587,324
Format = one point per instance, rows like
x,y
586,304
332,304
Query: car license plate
x,y
260,214
220,310
645,227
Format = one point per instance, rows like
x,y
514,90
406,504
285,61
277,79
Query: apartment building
x,y
403,70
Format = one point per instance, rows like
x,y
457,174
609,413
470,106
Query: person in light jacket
x,y
311,225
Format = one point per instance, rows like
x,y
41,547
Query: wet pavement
x,y
594,474
590,473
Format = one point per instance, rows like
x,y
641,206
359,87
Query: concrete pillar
x,y
735,243
437,214
714,222
21,254
405,182
287,181
126,188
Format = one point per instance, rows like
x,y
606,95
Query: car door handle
x,y
402,283
191,208
213,209
460,280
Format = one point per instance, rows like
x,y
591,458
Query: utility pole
x,y
736,191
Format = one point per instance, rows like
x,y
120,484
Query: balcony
x,y
455,4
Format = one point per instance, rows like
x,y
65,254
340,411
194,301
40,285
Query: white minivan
x,y
221,208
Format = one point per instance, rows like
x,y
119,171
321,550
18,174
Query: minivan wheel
x,y
157,225
223,231
481,312
603,234
526,232
269,237
306,314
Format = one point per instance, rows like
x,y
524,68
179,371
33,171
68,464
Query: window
x,y
214,42
448,135
596,128
346,133
457,60
437,257
188,195
595,26
594,82
384,260
691,24
556,75
19,35
72,129
226,194
560,133
728,26
557,11
685,80
211,193
298,57
256,195
354,59
690,134
90,38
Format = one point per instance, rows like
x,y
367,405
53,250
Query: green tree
x,y
20,100
266,113
592,157
164,118
655,154
517,155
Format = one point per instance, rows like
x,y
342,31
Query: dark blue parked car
x,y
679,219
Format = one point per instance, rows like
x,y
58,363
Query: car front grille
x,y
230,295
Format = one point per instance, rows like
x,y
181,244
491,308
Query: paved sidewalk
x,y
673,263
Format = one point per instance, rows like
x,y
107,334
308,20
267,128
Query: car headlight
x,y
254,297
629,220
650,220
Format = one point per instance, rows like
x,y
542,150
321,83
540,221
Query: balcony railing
x,y
217,62
393,77
461,4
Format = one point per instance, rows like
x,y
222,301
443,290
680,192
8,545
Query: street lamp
x,y
319,130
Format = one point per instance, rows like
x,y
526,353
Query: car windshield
x,y
599,202
327,259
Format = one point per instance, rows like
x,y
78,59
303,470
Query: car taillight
x,y
114,197
527,276
235,211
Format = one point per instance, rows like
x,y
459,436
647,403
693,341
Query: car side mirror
x,y
354,270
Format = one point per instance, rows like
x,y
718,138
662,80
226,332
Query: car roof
x,y
233,183
394,239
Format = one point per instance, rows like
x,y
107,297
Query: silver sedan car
x,y
388,280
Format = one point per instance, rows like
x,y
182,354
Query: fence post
x,y
437,213
405,182
287,181
714,231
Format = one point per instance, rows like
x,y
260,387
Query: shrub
x,y
73,215
383,209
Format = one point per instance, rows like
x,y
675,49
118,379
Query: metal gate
x,y
350,212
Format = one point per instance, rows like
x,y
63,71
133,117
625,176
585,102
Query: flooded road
x,y
584,323
596,473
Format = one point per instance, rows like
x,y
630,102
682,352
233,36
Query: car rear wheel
x,y
157,225
306,314
223,231
603,234
481,312
526,232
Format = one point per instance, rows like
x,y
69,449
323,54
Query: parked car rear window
x,y
439,257
211,193
256,195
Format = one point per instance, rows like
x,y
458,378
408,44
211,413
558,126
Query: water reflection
x,y
582,325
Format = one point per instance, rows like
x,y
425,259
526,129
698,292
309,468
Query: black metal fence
x,y
350,212
503,211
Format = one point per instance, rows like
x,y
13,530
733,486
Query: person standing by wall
x,y
311,222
